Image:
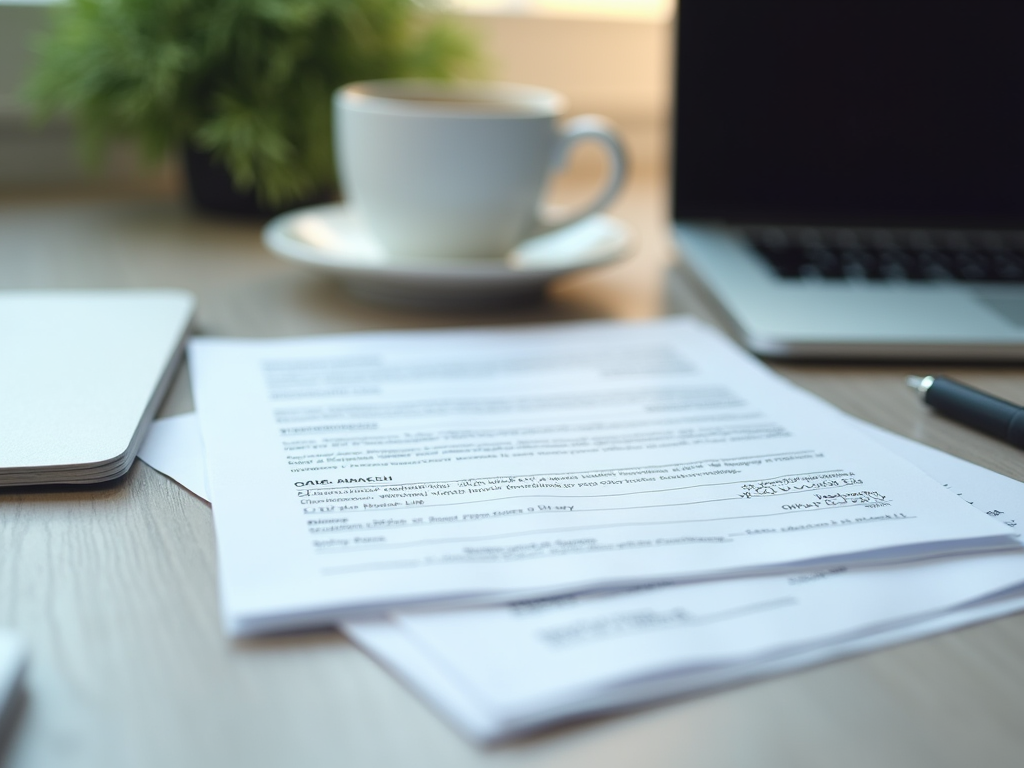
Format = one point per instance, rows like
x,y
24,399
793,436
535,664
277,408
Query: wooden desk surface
x,y
114,587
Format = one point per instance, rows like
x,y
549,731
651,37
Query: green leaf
x,y
249,81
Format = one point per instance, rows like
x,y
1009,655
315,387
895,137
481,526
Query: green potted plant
x,y
242,87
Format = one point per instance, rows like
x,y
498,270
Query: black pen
x,y
971,407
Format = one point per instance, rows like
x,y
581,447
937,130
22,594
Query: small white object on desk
x,y
334,237
12,672
82,376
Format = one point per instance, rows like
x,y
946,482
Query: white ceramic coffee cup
x,y
451,171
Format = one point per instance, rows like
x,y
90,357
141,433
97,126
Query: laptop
x,y
848,175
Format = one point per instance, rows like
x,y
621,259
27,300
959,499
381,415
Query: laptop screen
x,y
870,112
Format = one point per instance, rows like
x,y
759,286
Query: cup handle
x,y
583,128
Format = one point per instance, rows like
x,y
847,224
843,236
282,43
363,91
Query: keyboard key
x,y
812,254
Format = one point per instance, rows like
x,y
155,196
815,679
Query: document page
x,y
459,660
355,473
541,657
174,446
504,670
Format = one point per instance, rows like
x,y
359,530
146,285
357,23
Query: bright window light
x,y
651,10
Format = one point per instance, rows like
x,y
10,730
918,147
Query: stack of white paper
x,y
467,502
501,671
355,474
496,672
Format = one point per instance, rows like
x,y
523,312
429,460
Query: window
x,y
646,10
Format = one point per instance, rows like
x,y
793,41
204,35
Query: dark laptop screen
x,y
902,112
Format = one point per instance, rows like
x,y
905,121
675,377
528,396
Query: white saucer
x,y
333,237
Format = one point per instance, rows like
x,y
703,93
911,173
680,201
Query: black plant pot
x,y
212,191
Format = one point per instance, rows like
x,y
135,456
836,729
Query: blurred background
x,y
607,56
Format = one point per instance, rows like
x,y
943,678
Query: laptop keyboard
x,y
815,254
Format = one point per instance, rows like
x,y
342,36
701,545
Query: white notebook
x,y
81,375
